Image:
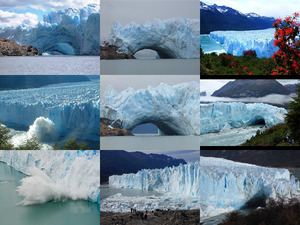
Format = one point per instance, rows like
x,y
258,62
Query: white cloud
x,y
274,8
8,19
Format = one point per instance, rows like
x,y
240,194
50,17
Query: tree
x,y
56,146
4,138
71,144
293,117
30,144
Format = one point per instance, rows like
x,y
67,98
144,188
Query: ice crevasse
x,y
218,116
56,175
173,109
227,185
171,38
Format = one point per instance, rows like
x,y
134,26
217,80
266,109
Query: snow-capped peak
x,y
252,15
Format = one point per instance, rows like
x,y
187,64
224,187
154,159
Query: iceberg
x,y
227,185
171,38
235,42
68,32
69,110
175,110
217,116
56,175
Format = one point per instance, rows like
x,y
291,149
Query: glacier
x,y
171,38
66,110
227,185
68,32
56,175
235,42
179,188
218,116
175,110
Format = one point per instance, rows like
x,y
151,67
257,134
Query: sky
x,y
30,12
187,155
122,82
272,8
140,11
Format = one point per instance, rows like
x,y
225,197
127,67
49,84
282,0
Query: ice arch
x,y
62,48
172,38
175,110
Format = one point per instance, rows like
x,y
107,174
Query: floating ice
x,y
235,42
173,109
56,175
216,116
227,185
171,38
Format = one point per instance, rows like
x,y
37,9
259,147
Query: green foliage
x,y
72,144
4,138
56,146
30,144
84,146
293,117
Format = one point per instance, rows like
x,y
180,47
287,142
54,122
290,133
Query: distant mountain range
x,y
8,82
242,88
214,17
115,162
268,158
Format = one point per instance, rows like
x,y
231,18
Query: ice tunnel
x,y
60,48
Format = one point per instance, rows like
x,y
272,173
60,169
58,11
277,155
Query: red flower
x,y
250,73
245,68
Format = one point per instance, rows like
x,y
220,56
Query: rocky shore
x,y
170,217
107,131
110,52
11,48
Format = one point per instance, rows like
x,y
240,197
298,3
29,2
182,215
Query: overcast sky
x,y
187,155
214,84
140,11
30,12
273,8
122,82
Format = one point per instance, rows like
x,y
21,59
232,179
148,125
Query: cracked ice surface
x,y
56,175
171,38
218,116
73,108
173,109
227,185
180,186
235,42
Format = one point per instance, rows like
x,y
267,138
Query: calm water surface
x,y
58,213
50,65
150,143
151,66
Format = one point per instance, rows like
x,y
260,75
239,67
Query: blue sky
x,y
274,8
17,12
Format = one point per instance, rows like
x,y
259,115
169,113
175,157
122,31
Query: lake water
x,y
50,65
150,143
231,137
151,67
210,45
58,213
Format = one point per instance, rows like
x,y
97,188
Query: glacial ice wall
x,y
183,180
227,185
68,32
73,108
235,42
173,109
56,175
171,38
218,116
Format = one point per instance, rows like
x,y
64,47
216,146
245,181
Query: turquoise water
x,y
210,45
58,213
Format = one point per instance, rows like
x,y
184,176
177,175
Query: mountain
x,y
120,162
292,87
8,82
268,158
214,17
241,88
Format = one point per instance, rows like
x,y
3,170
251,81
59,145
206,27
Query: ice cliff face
x,y
172,38
173,109
227,185
66,32
183,180
235,42
56,175
74,109
218,116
